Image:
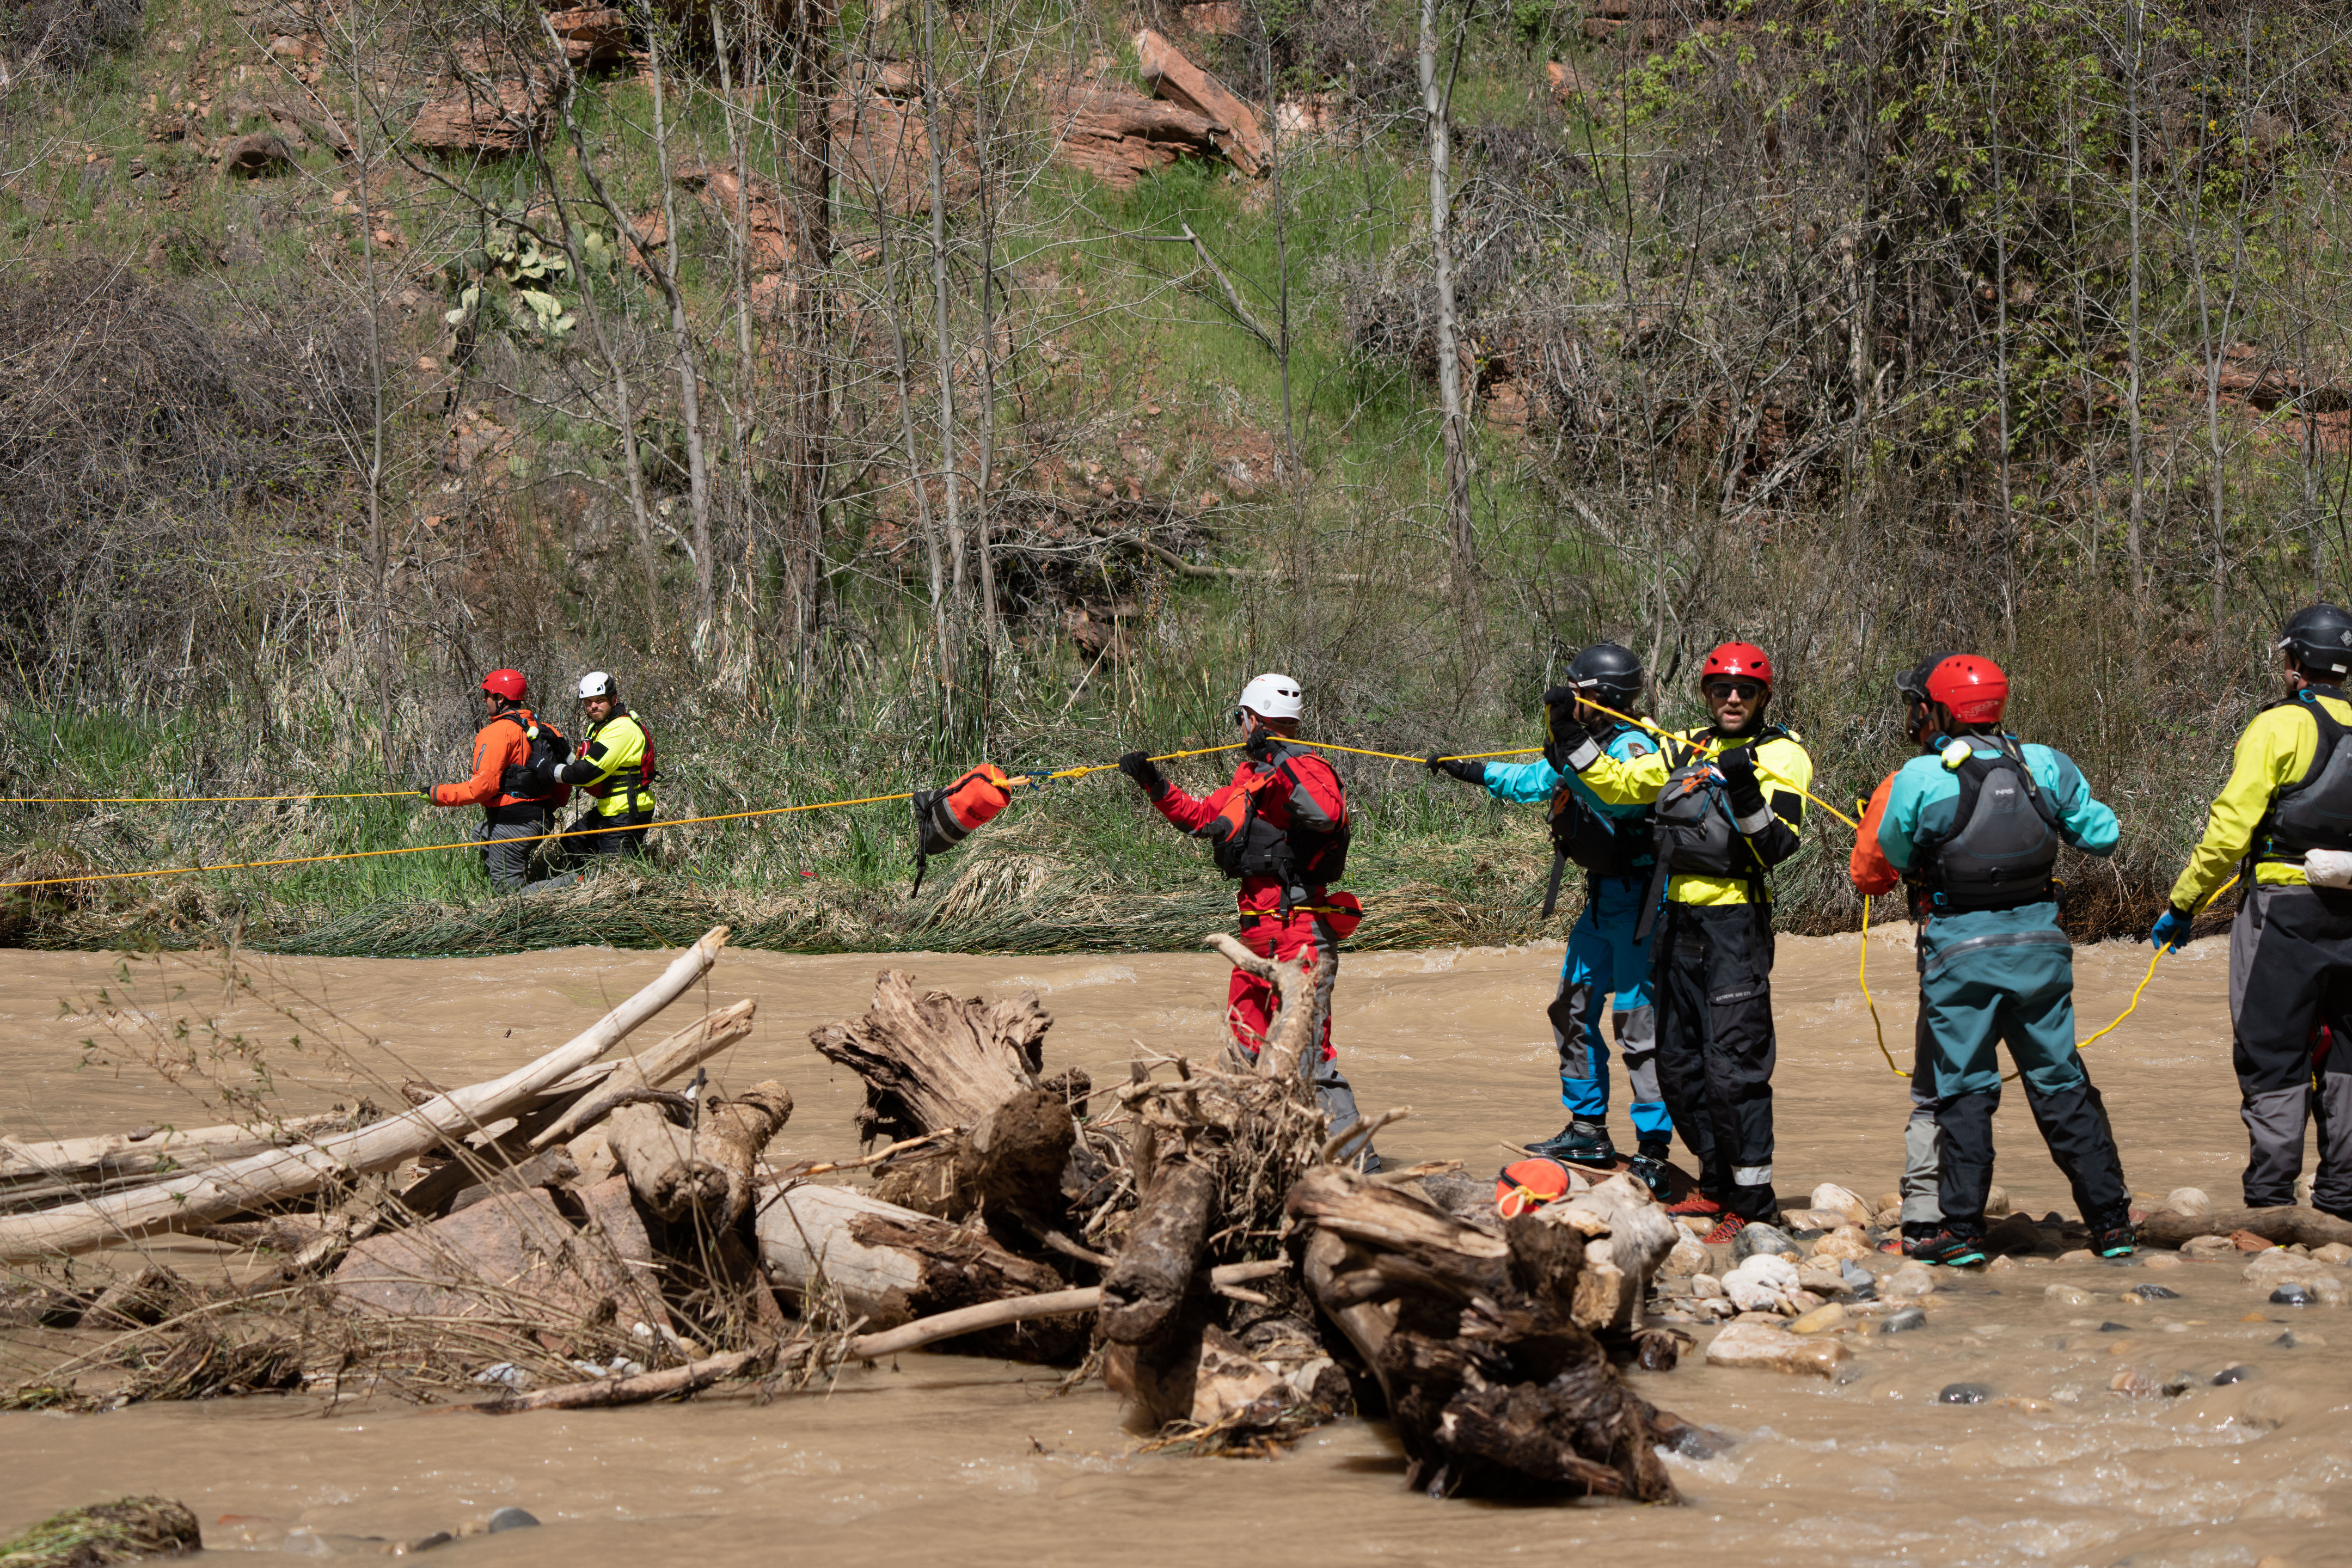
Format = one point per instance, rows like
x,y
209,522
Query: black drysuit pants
x,y
2291,972
1712,985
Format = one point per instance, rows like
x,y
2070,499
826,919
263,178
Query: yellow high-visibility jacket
x,y
612,766
1783,768
2275,751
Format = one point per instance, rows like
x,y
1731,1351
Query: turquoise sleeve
x,y
1522,783
2084,822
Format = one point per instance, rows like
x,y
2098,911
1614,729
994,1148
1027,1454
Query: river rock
x,y
1842,1200
2277,1266
2161,1260
1706,1287
1996,1202
1845,1242
1822,1275
1820,1321
1762,1240
1964,1393
1911,1279
2247,1241
2189,1201
2206,1247
2294,1293
2238,1373
2068,1296
1858,1279
1903,1322
1766,1282
2013,1233
1688,1257
2335,1252
1765,1347
2153,1294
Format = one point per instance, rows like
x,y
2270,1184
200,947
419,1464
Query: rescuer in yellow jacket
x,y
2286,817
1721,823
614,769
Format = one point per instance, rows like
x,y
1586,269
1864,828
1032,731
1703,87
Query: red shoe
x,y
1695,1202
1728,1226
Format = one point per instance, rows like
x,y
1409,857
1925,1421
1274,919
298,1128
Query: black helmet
x,y
2320,639
1610,672
1912,684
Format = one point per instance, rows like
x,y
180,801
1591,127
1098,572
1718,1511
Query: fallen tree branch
x,y
235,1185
690,1047
2284,1226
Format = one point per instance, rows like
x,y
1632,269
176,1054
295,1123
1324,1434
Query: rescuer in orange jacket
x,y
510,749
1281,829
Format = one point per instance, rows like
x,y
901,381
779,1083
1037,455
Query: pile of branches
x,y
578,1233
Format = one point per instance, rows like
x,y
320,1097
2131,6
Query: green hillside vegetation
x,y
1853,327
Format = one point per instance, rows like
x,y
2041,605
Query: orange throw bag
x,y
942,816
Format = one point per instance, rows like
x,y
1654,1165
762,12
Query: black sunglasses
x,y
1741,688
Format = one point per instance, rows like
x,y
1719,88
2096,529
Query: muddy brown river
x,y
937,1457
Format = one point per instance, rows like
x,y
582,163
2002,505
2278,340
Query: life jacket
x,y
1527,1186
2002,844
2315,811
524,794
1691,824
1602,843
943,816
1297,853
638,781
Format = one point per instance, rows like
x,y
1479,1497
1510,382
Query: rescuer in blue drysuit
x,y
1974,824
1612,843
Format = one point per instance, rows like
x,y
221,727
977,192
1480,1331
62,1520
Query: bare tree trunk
x,y
689,374
808,165
2133,21
1435,104
738,247
944,348
378,545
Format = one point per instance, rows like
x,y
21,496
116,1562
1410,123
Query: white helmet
x,y
596,683
1274,696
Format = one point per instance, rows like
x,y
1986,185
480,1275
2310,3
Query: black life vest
x,y
525,794
1691,820
2002,844
2315,811
1602,843
1245,843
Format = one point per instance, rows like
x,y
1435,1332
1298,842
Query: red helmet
x,y
1737,658
506,683
1970,686
1528,1185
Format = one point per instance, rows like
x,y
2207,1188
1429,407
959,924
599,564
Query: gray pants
x,y
2290,977
508,861
1923,1139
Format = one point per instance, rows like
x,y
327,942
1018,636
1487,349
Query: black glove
x,y
1468,773
1738,769
1139,767
427,793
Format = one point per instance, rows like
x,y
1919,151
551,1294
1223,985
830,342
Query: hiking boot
x,y
2118,1240
1651,1172
1950,1249
1725,1229
1695,1202
1907,1244
1578,1144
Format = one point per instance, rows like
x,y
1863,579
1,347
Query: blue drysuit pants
x,y
1603,960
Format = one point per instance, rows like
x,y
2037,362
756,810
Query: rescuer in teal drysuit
x,y
1993,963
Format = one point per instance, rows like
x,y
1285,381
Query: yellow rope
x,y
190,799
1862,973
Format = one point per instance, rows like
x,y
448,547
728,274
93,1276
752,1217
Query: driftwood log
x,y
235,1185
966,1071
1494,1387
666,1063
888,1266
704,1169
33,1173
2284,1226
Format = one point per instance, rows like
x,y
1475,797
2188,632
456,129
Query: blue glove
x,y
2171,933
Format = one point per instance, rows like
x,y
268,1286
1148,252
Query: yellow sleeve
x,y
1786,767
1620,781
2266,762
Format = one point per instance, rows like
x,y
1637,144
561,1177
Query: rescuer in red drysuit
x,y
1281,828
